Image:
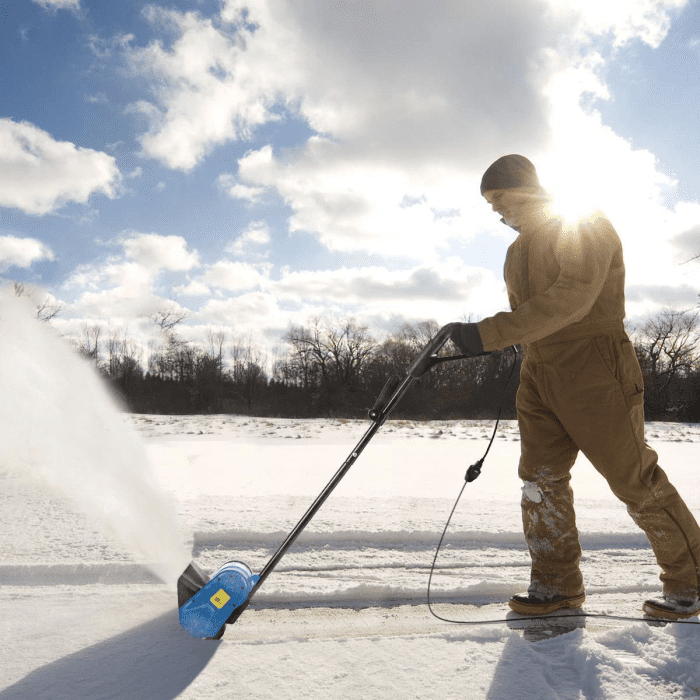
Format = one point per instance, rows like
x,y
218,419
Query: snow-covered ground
x,y
344,613
100,512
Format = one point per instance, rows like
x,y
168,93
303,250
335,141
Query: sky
x,y
259,164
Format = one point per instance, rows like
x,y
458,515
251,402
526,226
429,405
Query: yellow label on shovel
x,y
220,598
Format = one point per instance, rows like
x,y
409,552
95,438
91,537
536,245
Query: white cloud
x,y
687,242
447,291
257,233
411,101
195,288
236,190
59,4
375,296
624,20
214,96
39,174
361,206
334,65
247,312
99,98
451,80
22,252
251,194
119,305
154,252
663,295
124,285
104,48
235,276
403,107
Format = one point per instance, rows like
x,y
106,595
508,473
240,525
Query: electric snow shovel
x,y
207,604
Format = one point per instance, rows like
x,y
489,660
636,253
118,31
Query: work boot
x,y
530,604
672,607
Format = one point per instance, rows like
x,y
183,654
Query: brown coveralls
x,y
581,388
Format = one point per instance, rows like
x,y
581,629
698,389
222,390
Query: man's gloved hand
x,y
467,339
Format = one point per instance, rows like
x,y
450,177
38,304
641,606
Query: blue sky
x,y
259,163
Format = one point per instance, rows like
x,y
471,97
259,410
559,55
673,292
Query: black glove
x,y
467,339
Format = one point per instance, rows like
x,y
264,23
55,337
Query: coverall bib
x,y
581,388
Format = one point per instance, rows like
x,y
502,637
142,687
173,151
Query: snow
x,y
56,422
532,492
88,609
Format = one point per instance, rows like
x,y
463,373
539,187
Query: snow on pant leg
x,y
549,521
595,387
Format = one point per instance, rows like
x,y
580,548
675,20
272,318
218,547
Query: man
x,y
581,388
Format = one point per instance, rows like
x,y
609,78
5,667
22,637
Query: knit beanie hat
x,y
510,171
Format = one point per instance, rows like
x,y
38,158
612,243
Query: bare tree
x,y
123,361
349,347
46,309
331,354
666,346
669,341
217,340
123,354
176,361
309,358
169,316
89,342
331,361
417,335
247,371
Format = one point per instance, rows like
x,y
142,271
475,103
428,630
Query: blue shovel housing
x,y
206,612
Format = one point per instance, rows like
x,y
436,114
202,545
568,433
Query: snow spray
x,y
60,428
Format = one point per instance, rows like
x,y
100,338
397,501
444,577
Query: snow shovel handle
x,y
395,388
392,384
428,355
424,361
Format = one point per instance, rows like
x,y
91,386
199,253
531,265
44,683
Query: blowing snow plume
x,y
60,429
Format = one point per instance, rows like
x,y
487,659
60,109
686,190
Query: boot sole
x,y
544,608
656,611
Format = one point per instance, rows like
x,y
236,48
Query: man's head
x,y
509,172
509,185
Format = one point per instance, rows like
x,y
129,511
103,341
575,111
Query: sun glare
x,y
572,203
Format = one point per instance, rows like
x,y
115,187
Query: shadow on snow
x,y
154,660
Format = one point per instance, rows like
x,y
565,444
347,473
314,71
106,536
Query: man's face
x,y
508,203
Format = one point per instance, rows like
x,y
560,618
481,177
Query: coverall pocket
x,y
621,361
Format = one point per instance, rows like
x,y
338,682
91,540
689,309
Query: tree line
x,y
324,370
335,368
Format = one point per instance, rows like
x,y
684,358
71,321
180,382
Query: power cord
x,y
472,473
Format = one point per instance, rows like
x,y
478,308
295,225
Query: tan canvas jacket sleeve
x,y
563,283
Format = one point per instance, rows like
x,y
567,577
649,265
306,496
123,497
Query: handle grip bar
x,y
428,355
422,363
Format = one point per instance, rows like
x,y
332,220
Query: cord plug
x,y
474,471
